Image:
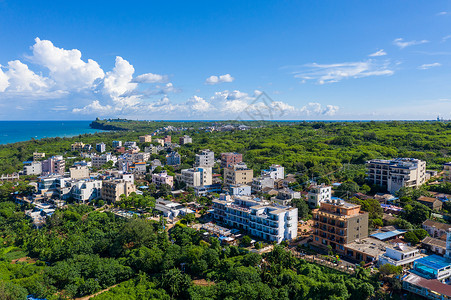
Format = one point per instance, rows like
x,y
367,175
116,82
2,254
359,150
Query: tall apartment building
x,y
337,223
113,189
99,160
159,141
145,138
238,174
183,140
54,165
167,139
32,168
79,172
173,159
101,147
117,144
130,144
38,156
269,222
274,171
163,178
230,158
196,177
205,158
80,190
447,172
151,149
318,194
396,173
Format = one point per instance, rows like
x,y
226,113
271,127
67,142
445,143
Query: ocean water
x,y
17,131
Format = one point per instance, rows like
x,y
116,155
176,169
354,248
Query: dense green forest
x,y
308,148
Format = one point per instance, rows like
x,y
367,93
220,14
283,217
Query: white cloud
x,y
327,73
445,38
378,53
151,78
4,83
66,68
428,66
95,108
314,108
219,79
22,79
442,13
403,44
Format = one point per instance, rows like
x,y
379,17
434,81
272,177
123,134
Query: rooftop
x,y
431,284
437,225
434,242
434,261
382,236
427,199
369,246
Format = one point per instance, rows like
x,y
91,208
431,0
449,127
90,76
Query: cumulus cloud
x,y
442,13
428,66
151,78
327,73
85,88
66,68
403,44
219,79
378,53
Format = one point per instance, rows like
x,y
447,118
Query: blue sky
x,y
314,60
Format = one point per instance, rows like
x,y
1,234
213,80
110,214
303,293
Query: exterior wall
x,y
163,178
145,138
259,183
447,172
117,144
229,159
112,190
101,147
79,172
205,159
38,156
183,140
238,176
173,159
319,194
98,161
35,168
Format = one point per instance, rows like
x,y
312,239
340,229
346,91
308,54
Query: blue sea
x,y
17,131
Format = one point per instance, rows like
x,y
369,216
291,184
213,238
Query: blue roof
x,y
386,235
434,261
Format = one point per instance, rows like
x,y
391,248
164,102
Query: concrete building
x,y
318,194
81,191
269,222
399,255
113,189
54,165
396,173
37,156
145,138
171,209
48,186
259,183
431,202
173,159
183,140
32,168
284,196
196,177
79,172
130,144
159,141
117,144
274,171
138,168
429,277
99,160
238,174
436,229
230,158
77,146
163,178
151,149
167,139
240,190
337,223
101,147
205,158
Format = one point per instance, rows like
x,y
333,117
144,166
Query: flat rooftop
x,y
382,236
434,261
431,284
369,246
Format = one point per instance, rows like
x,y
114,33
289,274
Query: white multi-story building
x,y
275,172
117,144
318,194
206,158
130,144
269,222
32,168
396,173
163,178
183,140
80,190
99,160
259,183
399,255
196,177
